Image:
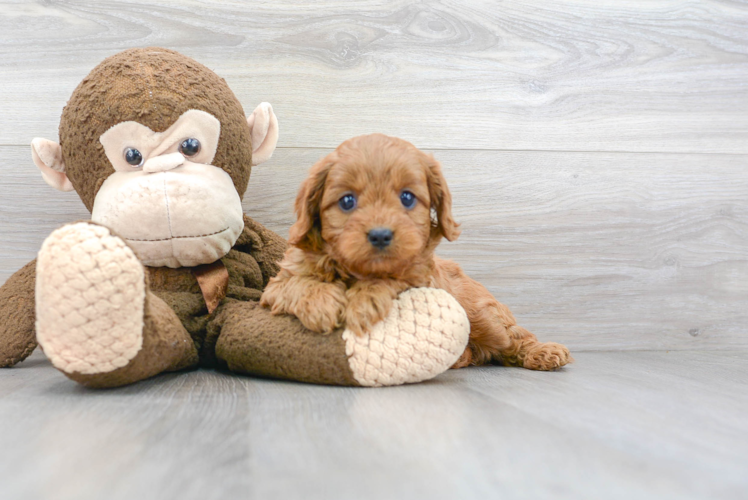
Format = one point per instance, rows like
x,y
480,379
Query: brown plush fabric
x,y
265,247
254,341
17,316
166,347
153,86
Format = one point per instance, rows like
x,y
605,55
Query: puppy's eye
x,y
189,147
347,202
134,157
408,199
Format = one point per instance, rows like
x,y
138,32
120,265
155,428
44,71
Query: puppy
x,y
369,217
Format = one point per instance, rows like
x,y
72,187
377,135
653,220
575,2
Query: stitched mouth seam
x,y
177,237
168,216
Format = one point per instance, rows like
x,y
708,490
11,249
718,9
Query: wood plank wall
x,y
597,150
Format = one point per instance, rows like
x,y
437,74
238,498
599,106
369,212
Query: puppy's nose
x,y
380,237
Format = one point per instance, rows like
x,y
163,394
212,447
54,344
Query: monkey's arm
x,y
17,316
266,247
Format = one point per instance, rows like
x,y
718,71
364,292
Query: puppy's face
x,y
369,205
375,211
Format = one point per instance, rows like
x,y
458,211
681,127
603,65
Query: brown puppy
x,y
369,217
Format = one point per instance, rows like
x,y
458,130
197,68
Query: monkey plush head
x,y
158,149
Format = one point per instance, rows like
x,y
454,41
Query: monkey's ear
x,y
264,126
47,155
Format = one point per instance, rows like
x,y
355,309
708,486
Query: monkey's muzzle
x,y
173,217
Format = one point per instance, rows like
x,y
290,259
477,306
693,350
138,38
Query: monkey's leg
x,y
96,320
494,333
17,338
424,334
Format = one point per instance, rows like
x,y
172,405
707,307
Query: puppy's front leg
x,y
319,305
369,302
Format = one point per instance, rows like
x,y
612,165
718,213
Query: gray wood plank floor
x,y
614,425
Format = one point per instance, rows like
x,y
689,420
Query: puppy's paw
x,y
364,311
271,293
465,359
322,308
547,356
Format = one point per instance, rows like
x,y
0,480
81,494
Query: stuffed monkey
x,y
168,272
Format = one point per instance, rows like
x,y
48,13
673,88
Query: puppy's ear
x,y
306,232
441,200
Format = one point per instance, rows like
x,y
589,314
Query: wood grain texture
x,y
580,75
595,250
614,425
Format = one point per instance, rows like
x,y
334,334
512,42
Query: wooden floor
x,y
614,425
597,151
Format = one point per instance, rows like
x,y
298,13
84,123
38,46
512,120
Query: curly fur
x,y
332,276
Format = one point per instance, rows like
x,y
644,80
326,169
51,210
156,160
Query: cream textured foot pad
x,y
426,332
90,296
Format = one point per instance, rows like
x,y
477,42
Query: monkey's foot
x,y
90,299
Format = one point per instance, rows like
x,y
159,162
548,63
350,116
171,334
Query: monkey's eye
x,y
133,157
347,202
189,147
408,199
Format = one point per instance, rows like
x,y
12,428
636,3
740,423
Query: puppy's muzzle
x,y
380,237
